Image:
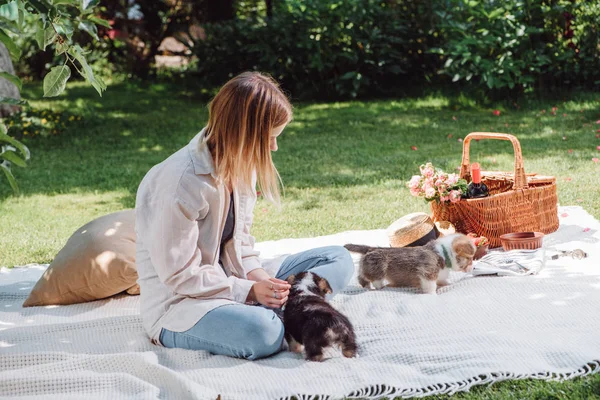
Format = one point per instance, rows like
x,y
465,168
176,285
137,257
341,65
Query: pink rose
x,y
444,198
427,170
429,191
415,192
441,185
415,181
452,179
455,196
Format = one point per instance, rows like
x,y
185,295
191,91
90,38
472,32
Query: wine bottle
x,y
476,188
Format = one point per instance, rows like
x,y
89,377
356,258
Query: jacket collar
x,y
201,157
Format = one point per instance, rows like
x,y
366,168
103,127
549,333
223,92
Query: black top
x,y
229,224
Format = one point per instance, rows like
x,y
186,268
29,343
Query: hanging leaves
x,y
87,72
12,78
55,81
13,49
56,23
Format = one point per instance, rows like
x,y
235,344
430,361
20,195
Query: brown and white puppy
x,y
311,322
423,267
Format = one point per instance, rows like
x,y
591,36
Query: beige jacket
x,y
180,215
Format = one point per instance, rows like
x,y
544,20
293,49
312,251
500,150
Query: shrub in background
x,y
353,48
317,49
518,46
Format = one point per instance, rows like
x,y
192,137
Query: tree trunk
x,y
269,5
7,88
222,10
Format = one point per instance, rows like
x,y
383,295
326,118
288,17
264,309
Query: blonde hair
x,y
240,120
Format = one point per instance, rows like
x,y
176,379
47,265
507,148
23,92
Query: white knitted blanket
x,y
477,330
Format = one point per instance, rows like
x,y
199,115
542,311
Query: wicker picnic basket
x,y
518,202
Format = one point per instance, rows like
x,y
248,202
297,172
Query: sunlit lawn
x,y
344,167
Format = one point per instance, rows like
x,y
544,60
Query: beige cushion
x,y
98,261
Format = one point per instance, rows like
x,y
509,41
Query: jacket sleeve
x,y
250,260
171,234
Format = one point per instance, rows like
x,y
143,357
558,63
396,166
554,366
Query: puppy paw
x,y
378,284
316,357
428,287
349,353
364,283
295,347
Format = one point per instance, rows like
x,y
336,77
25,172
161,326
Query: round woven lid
x,y
414,229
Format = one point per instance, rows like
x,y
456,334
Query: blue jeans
x,y
251,332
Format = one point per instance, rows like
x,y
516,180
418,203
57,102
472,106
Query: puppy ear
x,y
463,246
291,279
324,286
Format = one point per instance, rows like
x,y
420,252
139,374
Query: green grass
x,y
586,388
344,167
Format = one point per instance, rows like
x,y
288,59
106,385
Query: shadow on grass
x,y
132,128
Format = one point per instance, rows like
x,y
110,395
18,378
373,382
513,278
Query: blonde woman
x,y
202,285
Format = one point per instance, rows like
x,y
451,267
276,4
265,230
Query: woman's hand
x,y
270,292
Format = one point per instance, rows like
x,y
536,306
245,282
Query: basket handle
x,y
520,178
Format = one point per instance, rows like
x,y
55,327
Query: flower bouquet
x,y
434,184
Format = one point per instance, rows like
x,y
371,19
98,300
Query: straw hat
x,y
414,229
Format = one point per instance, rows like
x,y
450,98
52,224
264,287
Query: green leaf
x,y
88,4
66,2
9,26
13,158
90,28
496,13
9,10
39,35
41,6
11,179
49,36
98,84
100,21
14,51
55,81
64,27
12,78
61,47
21,16
14,102
14,142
